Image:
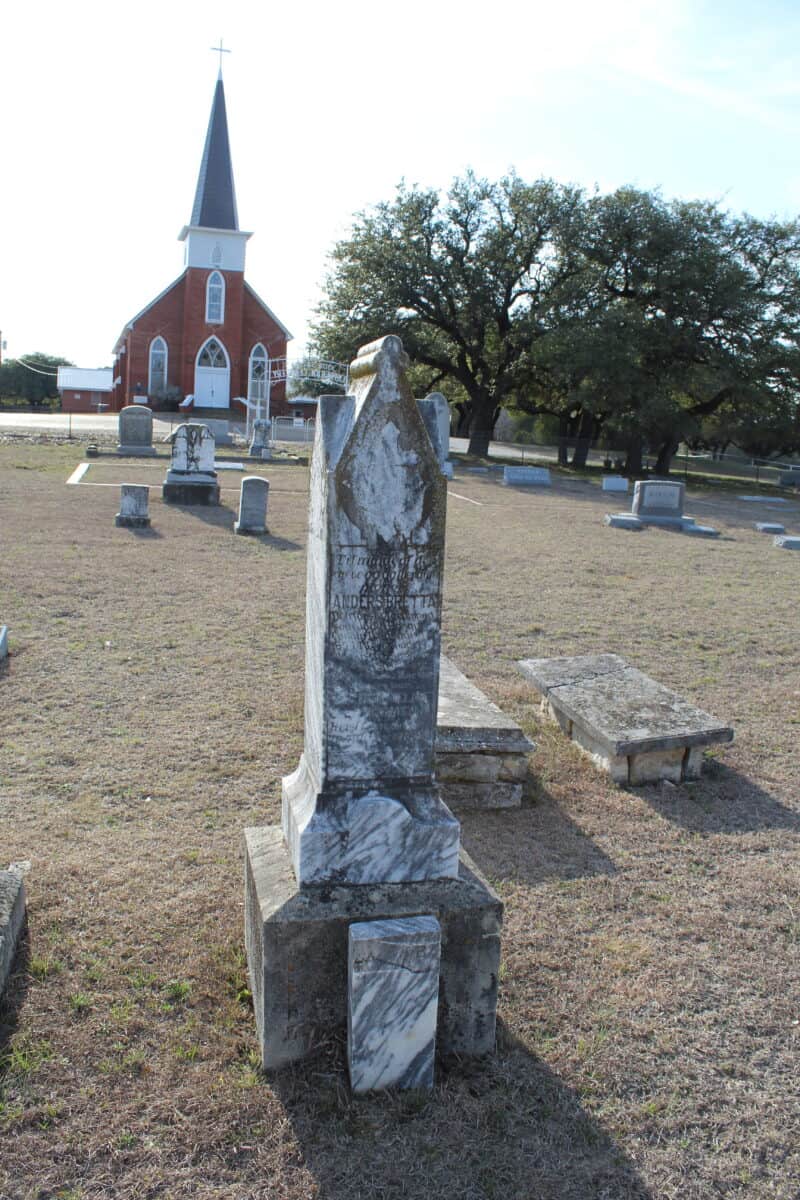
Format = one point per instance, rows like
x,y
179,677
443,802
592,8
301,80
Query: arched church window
x,y
157,373
212,355
257,378
215,299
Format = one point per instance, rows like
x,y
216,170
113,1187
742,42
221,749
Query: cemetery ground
x,y
648,1012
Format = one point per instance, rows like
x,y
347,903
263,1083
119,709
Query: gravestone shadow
x,y
504,1126
530,844
146,534
212,514
721,801
13,997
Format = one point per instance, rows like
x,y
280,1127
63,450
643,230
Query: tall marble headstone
x,y
191,478
136,431
363,805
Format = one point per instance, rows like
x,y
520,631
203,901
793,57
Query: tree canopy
x,y
658,321
32,377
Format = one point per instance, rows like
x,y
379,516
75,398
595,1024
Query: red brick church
x,y
208,335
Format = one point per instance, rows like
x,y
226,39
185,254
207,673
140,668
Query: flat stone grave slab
x,y
615,483
787,543
764,499
630,726
297,950
12,919
481,753
526,477
770,527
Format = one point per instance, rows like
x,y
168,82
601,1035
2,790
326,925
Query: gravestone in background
x,y
3,642
526,477
136,431
785,542
192,478
615,483
133,506
659,502
253,498
366,836
259,442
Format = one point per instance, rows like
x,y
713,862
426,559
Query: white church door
x,y
212,376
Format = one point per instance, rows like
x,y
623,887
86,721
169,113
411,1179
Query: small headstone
x,y
260,439
133,512
658,498
790,478
253,498
787,543
3,641
526,477
770,527
393,993
436,415
659,502
447,470
615,483
363,806
92,450
12,918
192,478
136,431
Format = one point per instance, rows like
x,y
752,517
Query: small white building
x,y
83,389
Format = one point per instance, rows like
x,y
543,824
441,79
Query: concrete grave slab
x,y
787,543
12,918
629,725
481,753
770,527
526,477
297,950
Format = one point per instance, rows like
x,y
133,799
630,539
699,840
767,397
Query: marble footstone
x,y
392,993
363,805
134,500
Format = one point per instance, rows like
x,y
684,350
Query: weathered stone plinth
x,y
12,919
297,948
629,725
190,488
481,753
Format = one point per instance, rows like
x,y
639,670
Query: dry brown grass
x,y
648,1010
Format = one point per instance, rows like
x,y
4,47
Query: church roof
x,y
215,198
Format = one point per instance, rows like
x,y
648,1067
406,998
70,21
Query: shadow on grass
x,y
147,534
14,995
532,843
211,514
504,1126
722,801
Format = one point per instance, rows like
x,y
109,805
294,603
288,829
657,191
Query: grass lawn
x,y
648,1014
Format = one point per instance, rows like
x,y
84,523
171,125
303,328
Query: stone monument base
x,y
297,945
193,488
137,451
132,522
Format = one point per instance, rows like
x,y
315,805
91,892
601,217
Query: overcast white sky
x,y
104,111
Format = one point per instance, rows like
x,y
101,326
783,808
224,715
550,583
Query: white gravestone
x,y
192,478
526,477
3,642
133,506
615,483
661,498
784,542
136,431
259,443
363,805
393,994
253,499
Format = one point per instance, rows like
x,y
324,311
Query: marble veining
x,y
393,993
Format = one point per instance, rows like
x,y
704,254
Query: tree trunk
x,y
562,439
665,456
481,424
583,439
633,461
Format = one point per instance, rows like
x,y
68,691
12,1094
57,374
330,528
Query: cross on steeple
x,y
220,50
